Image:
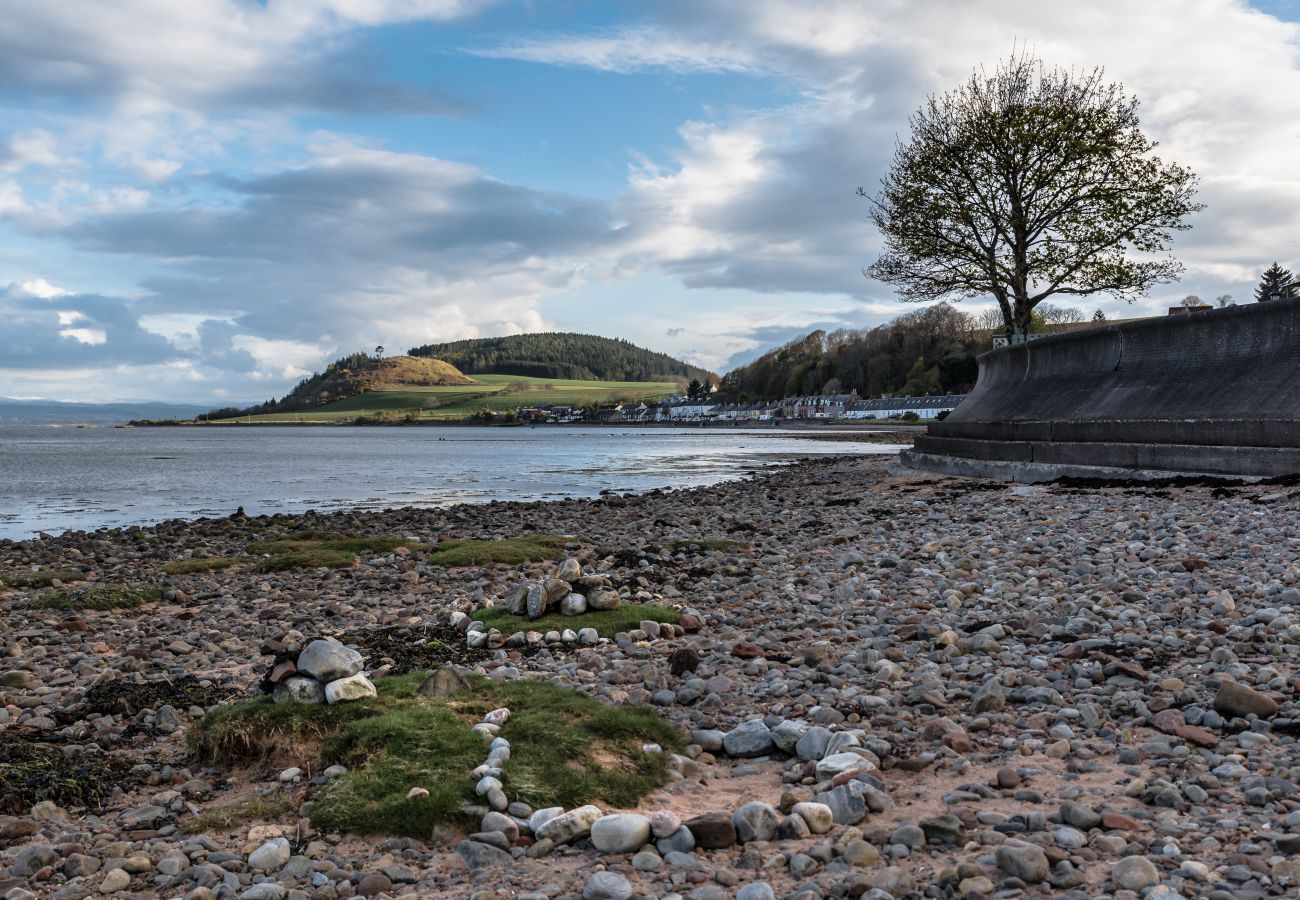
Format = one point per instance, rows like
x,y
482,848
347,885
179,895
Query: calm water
x,y
55,479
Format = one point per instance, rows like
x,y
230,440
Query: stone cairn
x,y
325,672
573,592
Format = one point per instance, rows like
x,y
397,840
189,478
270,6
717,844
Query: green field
x,y
498,393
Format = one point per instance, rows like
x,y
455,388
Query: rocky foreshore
x,y
890,686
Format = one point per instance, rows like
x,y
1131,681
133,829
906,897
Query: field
x,y
498,393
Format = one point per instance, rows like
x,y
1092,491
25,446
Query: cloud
x,y
203,54
629,50
48,329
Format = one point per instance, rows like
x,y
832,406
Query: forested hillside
x,y
563,355
924,352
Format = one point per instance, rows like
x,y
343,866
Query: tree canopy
x,y
1025,184
563,355
1273,282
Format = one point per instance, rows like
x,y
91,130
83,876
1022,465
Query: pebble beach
x,y
886,685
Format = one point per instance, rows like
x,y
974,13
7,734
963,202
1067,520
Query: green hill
x,y
488,393
574,357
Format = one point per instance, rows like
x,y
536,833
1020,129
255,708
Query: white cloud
x,y
92,336
629,50
36,287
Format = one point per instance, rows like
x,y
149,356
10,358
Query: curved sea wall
x,y
1214,392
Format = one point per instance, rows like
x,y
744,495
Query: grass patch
x,y
208,564
223,818
723,544
317,549
98,597
607,622
511,551
38,578
567,749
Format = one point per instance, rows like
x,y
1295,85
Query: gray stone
x,y
786,735
606,886
848,803
756,890
478,855
749,739
812,745
535,601
573,605
271,856
1133,873
443,683
267,890
603,599
755,821
328,661
838,763
620,833
1023,861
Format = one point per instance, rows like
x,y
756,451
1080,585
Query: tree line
x,y
562,355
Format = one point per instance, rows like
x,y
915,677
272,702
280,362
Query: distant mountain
x,y
349,376
563,355
54,412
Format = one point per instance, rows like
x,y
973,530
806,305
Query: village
x,y
681,410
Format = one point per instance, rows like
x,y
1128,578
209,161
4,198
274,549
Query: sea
x,y
59,478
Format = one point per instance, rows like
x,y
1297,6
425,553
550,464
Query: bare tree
x,y
1191,301
1224,300
1024,184
1060,315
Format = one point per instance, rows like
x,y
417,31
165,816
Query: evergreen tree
x,y
1099,316
1273,281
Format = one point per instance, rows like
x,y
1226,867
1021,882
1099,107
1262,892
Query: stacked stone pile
x,y
325,672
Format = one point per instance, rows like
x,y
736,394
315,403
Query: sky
x,y
206,201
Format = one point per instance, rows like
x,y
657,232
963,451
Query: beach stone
x,y
116,880
354,687
328,661
712,831
812,744
756,890
1023,861
271,856
749,739
374,883
1236,699
1078,815
1134,873
620,833
567,826
755,821
267,890
680,841
786,734
298,689
847,802
839,763
664,822
478,855
606,886
443,683
894,881
570,570
573,605
603,599
535,601
818,816
683,660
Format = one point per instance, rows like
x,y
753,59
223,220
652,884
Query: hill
x,y
575,357
353,376
488,393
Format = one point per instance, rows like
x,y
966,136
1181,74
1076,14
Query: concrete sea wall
x,y
1214,392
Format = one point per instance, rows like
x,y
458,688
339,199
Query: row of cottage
x,y
685,409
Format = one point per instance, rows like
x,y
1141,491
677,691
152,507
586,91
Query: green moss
x,y
708,545
511,551
208,564
316,549
29,578
98,597
566,749
224,818
307,559
607,622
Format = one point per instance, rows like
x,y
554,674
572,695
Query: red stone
x,y
1197,735
746,650
1168,721
1119,822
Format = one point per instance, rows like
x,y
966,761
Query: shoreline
x,y
1015,658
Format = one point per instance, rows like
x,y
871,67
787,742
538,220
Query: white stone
x,y
620,833
355,687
